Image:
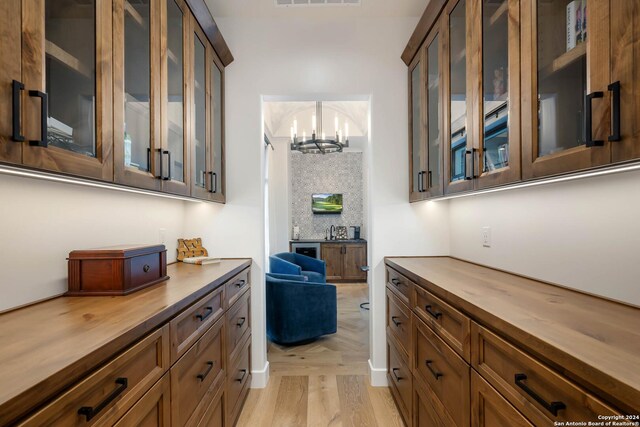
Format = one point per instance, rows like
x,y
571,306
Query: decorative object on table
x,y
299,310
319,143
356,232
201,260
341,233
189,248
301,265
116,270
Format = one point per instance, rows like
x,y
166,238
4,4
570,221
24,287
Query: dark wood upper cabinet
x,y
417,128
10,71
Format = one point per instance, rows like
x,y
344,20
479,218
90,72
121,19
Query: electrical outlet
x,y
486,237
162,234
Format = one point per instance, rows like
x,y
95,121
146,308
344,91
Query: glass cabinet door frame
x,y
419,62
10,70
451,187
34,78
431,188
150,179
219,179
580,157
173,186
512,172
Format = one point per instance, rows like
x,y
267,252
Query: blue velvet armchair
x,y
298,310
291,263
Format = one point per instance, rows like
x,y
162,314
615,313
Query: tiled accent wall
x,y
329,173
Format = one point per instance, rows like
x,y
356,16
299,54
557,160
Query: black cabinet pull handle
x,y
240,283
435,373
148,159
468,176
434,314
203,375
146,268
615,111
241,322
204,179
207,313
90,411
168,177
398,378
44,102
419,182
244,372
161,174
213,182
590,142
552,407
395,321
15,106
429,180
395,281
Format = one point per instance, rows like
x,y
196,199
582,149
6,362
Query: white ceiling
x,y
267,8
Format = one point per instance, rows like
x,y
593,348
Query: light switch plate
x,y
486,237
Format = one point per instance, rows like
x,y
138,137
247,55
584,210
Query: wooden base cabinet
x,y
490,409
153,410
344,261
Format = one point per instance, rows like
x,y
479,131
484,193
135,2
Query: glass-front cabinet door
x,y
216,174
433,178
417,146
457,108
175,148
10,72
66,72
137,154
496,157
565,76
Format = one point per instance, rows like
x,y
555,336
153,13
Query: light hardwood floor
x,y
324,383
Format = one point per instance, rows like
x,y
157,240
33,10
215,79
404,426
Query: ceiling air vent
x,y
287,3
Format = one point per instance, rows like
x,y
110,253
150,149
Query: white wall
x,y
42,221
584,234
279,204
353,56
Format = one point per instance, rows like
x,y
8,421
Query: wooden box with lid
x,y
116,270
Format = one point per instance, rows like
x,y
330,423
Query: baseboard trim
x,y
260,378
378,376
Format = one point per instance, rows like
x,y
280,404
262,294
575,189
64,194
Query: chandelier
x,y
319,143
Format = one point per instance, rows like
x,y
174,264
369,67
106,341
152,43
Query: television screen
x,y
326,203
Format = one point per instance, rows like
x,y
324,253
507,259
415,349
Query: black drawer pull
x,y
241,322
241,283
17,88
44,115
435,373
589,141
146,268
434,314
168,177
244,372
214,182
396,282
207,312
396,375
89,411
552,407
395,322
203,375
615,111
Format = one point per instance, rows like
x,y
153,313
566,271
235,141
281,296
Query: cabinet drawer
x,y
399,377
236,286
105,396
489,409
238,325
238,380
214,415
399,321
428,411
189,325
194,374
445,373
449,323
400,285
539,393
153,410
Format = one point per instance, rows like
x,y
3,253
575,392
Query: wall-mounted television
x,y
326,203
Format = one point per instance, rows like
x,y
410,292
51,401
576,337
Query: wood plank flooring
x,y
326,382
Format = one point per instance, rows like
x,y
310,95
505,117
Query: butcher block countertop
x,y
50,345
594,341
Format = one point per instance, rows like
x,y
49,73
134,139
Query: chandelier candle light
x,y
320,145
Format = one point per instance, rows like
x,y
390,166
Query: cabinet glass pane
x,y
70,47
199,102
562,79
216,120
433,99
137,89
458,90
175,92
495,78
416,130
